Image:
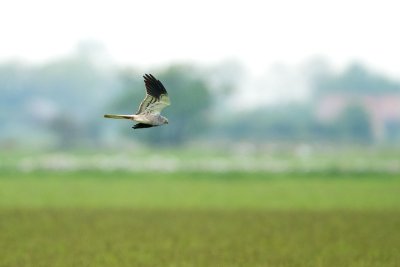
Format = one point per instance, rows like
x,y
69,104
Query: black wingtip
x,y
153,86
148,76
142,125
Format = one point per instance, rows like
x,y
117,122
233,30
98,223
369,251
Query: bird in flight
x,y
148,114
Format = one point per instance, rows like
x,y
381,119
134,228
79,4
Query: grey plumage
x,y
149,112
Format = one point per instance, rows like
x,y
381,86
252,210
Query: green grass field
x,y
130,237
95,218
201,190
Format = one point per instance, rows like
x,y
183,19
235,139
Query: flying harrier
x,y
149,111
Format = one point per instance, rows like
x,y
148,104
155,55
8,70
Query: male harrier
x,y
149,111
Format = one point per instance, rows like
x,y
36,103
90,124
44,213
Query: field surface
x,y
126,237
201,190
97,218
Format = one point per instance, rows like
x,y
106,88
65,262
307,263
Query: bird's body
x,y
149,111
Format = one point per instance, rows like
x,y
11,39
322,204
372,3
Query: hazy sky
x,y
256,33
271,39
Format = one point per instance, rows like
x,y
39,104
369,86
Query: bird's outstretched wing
x,y
156,96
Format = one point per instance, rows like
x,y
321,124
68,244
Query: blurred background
x,y
248,77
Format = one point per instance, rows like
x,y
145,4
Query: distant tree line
x,y
61,104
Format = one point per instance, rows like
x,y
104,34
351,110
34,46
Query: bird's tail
x,y
112,116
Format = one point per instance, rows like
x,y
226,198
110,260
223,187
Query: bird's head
x,y
164,120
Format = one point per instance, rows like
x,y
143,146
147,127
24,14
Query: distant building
x,y
379,97
383,110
